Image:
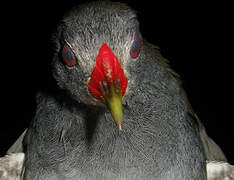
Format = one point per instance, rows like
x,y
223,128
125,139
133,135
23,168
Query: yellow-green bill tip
x,y
115,106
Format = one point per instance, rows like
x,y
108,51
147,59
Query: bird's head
x,y
95,44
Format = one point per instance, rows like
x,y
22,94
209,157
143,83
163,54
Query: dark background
x,y
195,37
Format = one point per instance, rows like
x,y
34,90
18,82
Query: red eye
x,y
68,56
136,47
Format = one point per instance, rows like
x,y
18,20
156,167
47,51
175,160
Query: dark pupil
x,y
134,46
69,56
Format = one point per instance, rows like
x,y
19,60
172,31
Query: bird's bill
x,y
108,82
114,103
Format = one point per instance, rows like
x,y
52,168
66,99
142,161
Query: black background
x,y
195,37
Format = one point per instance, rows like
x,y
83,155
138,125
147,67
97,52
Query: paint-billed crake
x,y
119,111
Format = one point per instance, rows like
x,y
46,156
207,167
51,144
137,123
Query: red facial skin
x,y
107,73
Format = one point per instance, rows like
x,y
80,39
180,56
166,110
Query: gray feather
x,y
73,137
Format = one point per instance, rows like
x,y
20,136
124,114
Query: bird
x,y
118,110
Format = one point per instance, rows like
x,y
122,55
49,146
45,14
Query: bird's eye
x,y
68,56
136,47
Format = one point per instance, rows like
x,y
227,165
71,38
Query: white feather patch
x,y
219,171
11,166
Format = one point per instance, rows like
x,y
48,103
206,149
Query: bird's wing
x,y
11,166
219,171
212,151
17,147
14,160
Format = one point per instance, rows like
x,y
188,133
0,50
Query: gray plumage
x,y
73,135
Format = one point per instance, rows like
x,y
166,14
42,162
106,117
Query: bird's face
x,y
95,44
